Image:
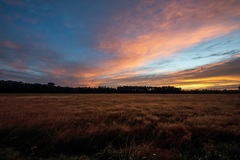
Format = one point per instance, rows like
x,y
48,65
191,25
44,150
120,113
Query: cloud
x,y
38,63
10,45
218,75
152,30
231,53
29,62
119,43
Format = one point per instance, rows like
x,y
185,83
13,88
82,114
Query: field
x,y
119,126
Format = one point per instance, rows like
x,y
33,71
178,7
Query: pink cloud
x,y
11,45
179,25
152,30
219,75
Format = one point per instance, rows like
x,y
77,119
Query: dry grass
x,y
119,126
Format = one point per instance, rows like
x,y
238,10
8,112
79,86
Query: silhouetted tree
x,y
21,87
51,84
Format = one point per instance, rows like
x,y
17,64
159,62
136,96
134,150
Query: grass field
x,y
119,126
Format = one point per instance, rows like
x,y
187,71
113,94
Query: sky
x,y
190,44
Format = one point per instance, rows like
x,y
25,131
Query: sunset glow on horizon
x,y
184,43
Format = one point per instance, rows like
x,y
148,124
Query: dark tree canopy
x,y
51,84
21,87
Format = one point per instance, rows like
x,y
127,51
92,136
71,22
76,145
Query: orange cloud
x,y
138,40
219,75
151,31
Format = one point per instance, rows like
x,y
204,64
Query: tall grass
x,y
119,126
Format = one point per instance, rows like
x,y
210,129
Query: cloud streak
x,y
10,45
218,75
117,43
233,52
137,40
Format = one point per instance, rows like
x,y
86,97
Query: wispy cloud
x,y
156,31
116,43
231,53
10,45
220,75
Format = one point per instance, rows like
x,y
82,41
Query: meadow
x,y
120,126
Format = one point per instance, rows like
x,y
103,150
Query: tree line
x,y
21,87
